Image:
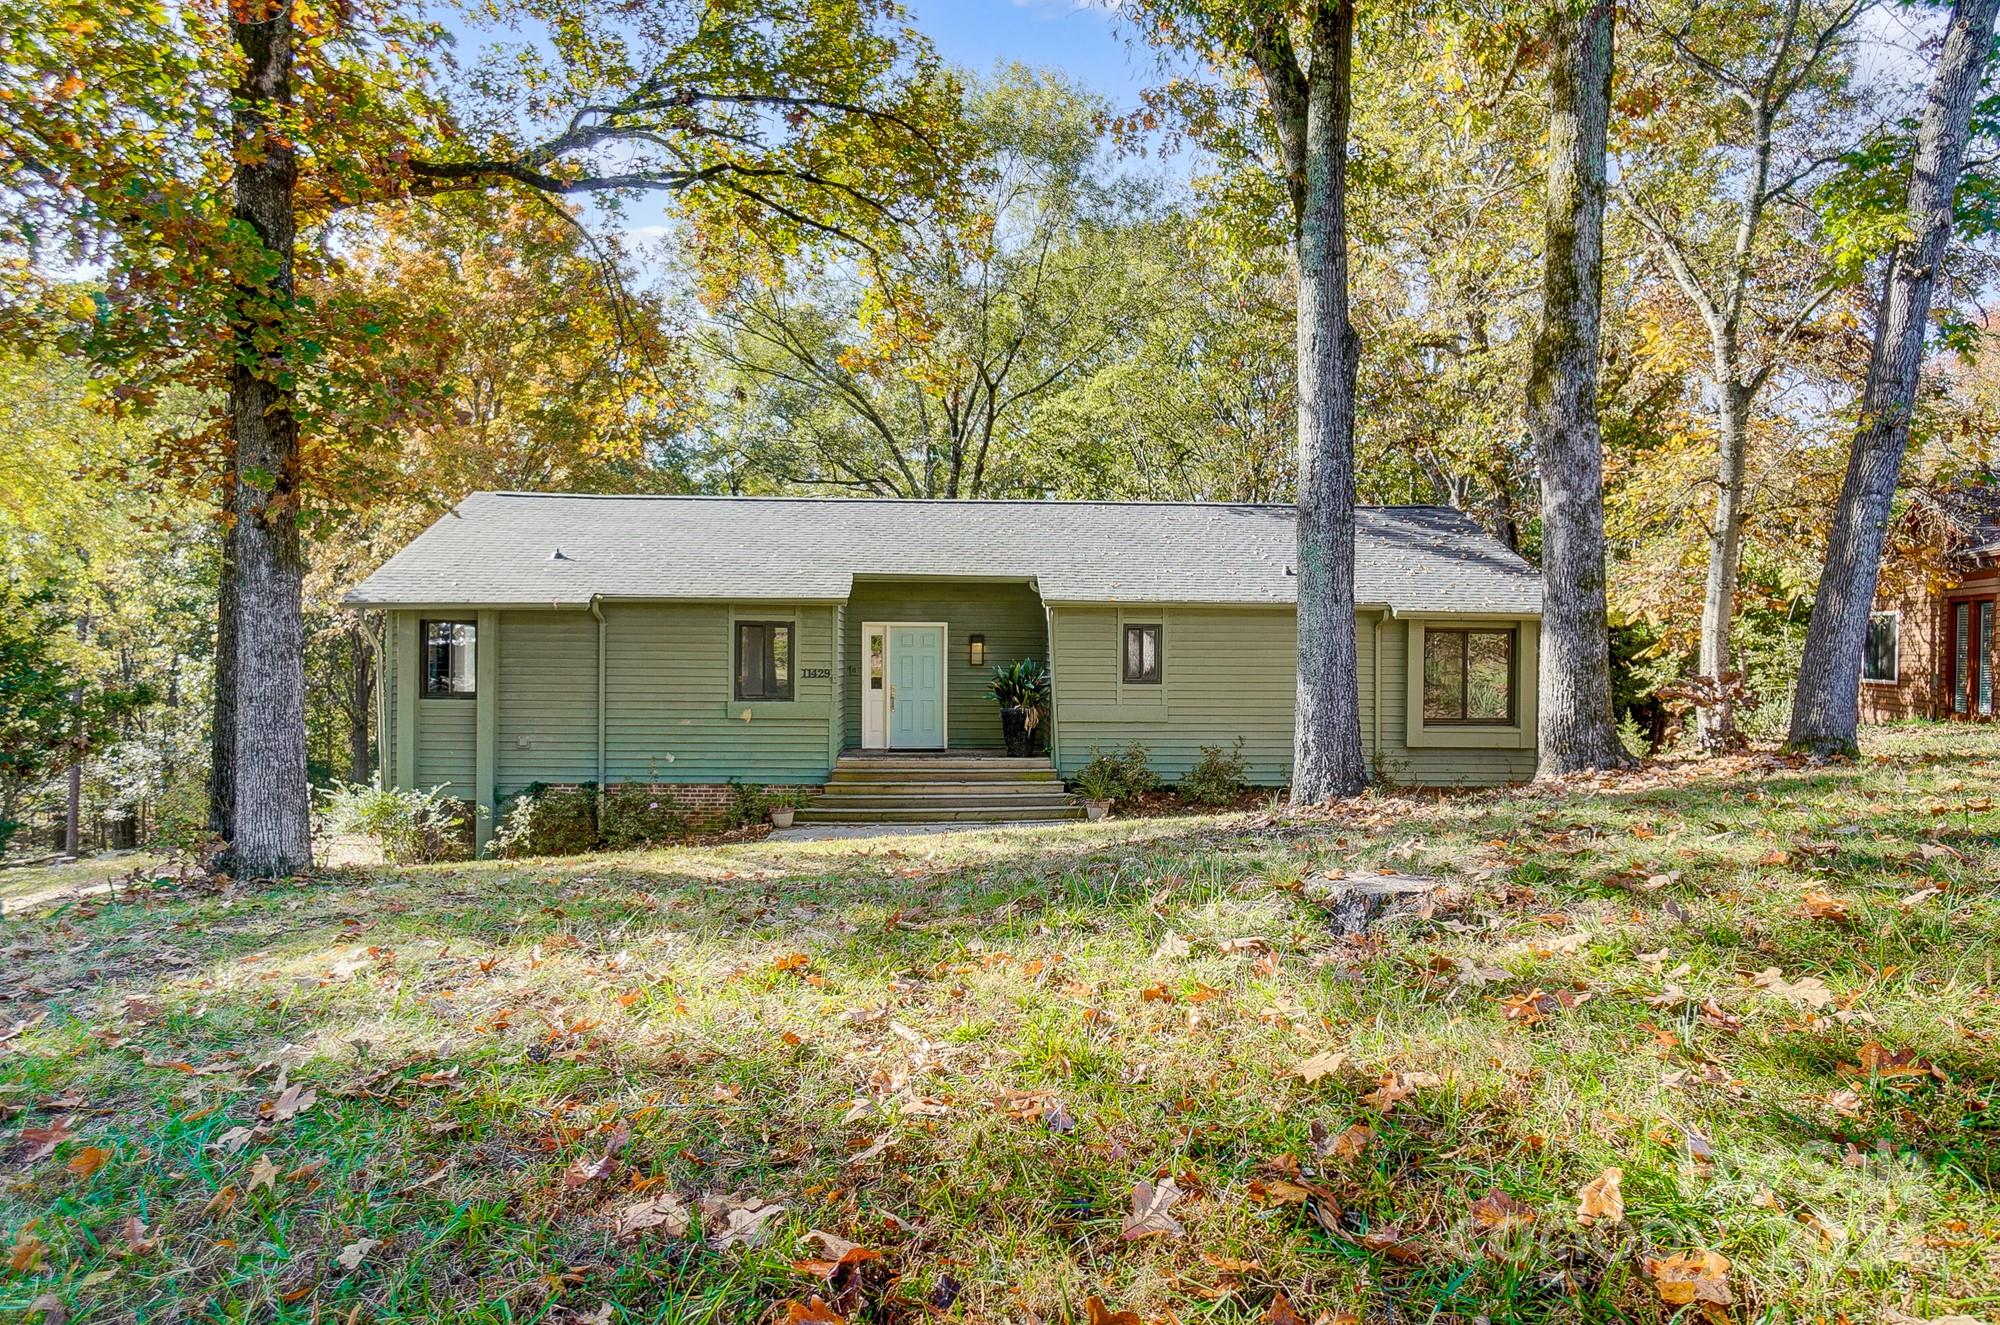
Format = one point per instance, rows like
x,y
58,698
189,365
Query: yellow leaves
x,y
1602,1199
1149,1216
1687,1278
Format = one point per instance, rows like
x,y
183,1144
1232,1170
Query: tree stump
x,y
1356,902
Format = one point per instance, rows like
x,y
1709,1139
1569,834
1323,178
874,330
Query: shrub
x,y
1121,777
549,821
1217,777
747,803
411,827
636,815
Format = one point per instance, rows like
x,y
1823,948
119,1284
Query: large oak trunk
x,y
270,808
1327,759
360,701
1826,705
1576,730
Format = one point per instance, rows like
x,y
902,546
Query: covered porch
x,y
918,656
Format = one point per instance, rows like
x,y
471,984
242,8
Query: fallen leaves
x,y
1686,1278
354,1253
1809,990
1149,1217
1602,1199
736,1221
263,1173
664,1211
1500,1213
1824,906
88,1160
1397,1087
1323,1064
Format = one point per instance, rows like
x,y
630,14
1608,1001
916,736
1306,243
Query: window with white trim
x,y
1881,655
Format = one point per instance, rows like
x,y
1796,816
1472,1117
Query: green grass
x,y
24,884
829,1027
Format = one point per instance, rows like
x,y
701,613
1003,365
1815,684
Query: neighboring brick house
x,y
1933,641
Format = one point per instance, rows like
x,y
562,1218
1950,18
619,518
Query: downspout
x,y
378,645
598,613
1049,628
1380,621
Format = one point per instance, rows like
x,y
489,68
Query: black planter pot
x,y
1014,726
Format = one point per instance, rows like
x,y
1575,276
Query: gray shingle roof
x,y
498,549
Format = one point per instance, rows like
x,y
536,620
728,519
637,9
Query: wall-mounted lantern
x,y
978,650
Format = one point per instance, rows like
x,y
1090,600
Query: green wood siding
x,y
444,745
1230,671
1225,672
547,728
1008,615
671,714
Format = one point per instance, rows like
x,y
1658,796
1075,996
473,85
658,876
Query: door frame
x,y
874,712
1975,661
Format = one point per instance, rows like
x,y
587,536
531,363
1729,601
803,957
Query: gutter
x,y
598,612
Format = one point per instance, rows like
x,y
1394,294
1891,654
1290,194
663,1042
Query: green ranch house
x,y
695,642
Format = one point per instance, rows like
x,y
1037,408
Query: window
x,y
1961,670
1985,643
449,659
763,660
1881,656
1468,675
1142,655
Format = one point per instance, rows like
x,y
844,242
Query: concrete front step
x,y
947,786
904,814
844,804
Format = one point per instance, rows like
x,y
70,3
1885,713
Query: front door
x,y
1971,626
916,687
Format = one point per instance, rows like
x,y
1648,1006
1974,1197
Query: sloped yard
x,y
1717,1041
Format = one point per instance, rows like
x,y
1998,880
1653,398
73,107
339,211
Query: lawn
x,y
1715,1040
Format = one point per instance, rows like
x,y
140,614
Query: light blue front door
x,y
916,687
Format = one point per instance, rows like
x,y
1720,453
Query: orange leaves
x,y
1096,1313
25,1255
1398,1087
1823,906
1602,1199
1500,1213
1687,1278
88,1160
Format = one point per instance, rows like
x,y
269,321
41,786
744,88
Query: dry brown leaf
x,y
1500,1212
1690,1277
1280,1312
1602,1199
354,1253
813,1312
1323,1064
25,1256
664,1211
1149,1217
263,1173
1099,1314
88,1160
1822,906
731,1221
1349,1143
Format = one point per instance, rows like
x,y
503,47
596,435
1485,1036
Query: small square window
x,y
763,660
1879,660
1468,676
450,659
1142,655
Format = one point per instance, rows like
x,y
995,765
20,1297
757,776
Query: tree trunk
x,y
1327,758
73,809
271,812
360,701
222,701
1716,721
1826,705
1576,730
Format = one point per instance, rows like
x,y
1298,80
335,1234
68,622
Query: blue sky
x,y
1076,36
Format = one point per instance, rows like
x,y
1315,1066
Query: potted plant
x,y
783,805
1098,786
1022,691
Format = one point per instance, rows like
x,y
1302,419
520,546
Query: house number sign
x,y
815,673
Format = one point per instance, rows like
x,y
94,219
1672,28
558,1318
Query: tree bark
x,y
1826,704
1576,730
222,699
1312,105
271,813
1715,723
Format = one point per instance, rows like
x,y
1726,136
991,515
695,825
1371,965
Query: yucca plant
x,y
1022,691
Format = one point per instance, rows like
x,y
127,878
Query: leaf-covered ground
x,y
1710,1040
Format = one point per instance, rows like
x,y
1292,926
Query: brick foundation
x,y
704,805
